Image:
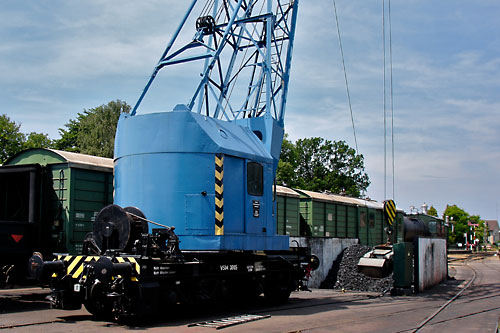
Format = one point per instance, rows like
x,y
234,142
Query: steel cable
x,y
345,76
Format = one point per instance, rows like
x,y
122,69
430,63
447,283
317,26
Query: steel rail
x,y
432,316
31,324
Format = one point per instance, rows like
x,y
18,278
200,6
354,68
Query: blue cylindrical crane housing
x,y
209,178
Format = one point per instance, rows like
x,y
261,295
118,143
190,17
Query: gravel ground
x,y
344,273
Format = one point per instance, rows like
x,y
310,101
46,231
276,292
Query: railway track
x,y
445,305
459,297
265,312
367,307
455,298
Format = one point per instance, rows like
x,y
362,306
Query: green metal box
x,y
403,265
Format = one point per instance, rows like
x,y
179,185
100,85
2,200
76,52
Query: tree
x,y
481,230
93,131
285,174
317,164
11,139
432,211
460,219
37,140
68,140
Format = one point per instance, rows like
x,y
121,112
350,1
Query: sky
x,y
58,58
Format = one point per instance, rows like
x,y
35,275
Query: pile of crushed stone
x,y
344,273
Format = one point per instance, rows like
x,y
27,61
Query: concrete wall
x,y
327,250
432,265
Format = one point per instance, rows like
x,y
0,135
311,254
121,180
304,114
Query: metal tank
x,y
380,261
414,227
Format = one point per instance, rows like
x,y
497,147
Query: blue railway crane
x,y
208,166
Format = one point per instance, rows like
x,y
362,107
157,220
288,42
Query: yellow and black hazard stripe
x,y
219,194
132,260
390,211
76,264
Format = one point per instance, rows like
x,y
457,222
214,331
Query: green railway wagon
x,y
328,215
345,217
378,228
374,229
366,226
287,211
363,225
76,187
352,221
331,215
312,219
341,221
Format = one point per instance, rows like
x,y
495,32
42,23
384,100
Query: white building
x,y
493,229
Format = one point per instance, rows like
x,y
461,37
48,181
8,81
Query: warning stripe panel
x,y
73,264
78,272
219,194
390,211
137,266
219,203
76,264
219,230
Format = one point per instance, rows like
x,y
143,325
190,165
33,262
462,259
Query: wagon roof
x,y
287,191
328,197
45,156
84,159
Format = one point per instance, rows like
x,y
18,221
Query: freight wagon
x,y
331,215
49,199
287,211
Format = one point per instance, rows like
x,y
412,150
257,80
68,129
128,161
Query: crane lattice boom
x,y
244,49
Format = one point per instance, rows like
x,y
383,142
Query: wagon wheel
x,y
277,290
96,302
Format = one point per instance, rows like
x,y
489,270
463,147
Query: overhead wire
x,y
393,163
345,77
385,115
392,105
